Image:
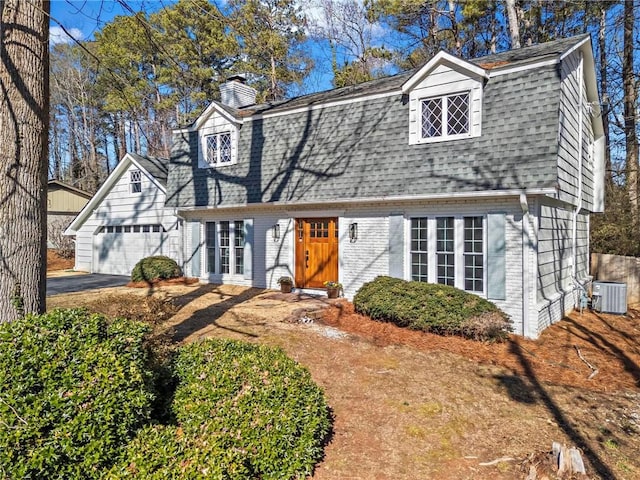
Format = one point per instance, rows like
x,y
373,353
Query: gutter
x,y
485,194
578,206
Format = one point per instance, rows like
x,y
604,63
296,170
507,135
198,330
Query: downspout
x,y
578,206
526,241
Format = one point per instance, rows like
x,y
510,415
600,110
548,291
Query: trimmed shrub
x,y
243,411
155,268
73,390
431,308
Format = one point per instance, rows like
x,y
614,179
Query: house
x,y
481,174
126,219
64,202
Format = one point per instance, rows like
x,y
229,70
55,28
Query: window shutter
x,y
195,249
248,248
396,245
496,250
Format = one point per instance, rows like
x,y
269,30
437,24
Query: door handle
x,y
306,259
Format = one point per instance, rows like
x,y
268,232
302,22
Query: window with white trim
x,y
449,250
217,149
473,254
446,116
445,255
225,241
238,245
210,240
135,181
419,250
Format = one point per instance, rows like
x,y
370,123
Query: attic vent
x,y
236,93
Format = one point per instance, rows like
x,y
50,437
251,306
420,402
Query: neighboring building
x,y
480,174
64,202
126,219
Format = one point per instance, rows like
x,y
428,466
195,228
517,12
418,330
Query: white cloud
x,y
58,35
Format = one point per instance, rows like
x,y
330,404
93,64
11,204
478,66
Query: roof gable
x,y
443,58
157,165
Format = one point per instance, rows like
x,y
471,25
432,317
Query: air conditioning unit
x,y
609,297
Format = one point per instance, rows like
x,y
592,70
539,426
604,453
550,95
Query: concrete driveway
x,y
81,283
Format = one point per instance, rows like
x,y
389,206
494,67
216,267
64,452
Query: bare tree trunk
x,y
514,28
602,45
628,82
24,123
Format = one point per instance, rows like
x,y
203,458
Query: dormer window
x,y
218,149
445,116
135,181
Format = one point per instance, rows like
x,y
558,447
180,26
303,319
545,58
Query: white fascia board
x,y
106,187
586,40
497,71
446,59
204,116
99,195
400,198
593,97
328,104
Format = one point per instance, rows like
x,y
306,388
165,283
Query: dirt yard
x,y
55,262
409,405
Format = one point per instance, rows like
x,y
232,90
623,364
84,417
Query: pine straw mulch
x,y
163,282
56,262
610,343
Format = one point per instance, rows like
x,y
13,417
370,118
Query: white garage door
x,y
116,249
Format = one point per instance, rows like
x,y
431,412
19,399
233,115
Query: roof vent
x,y
236,93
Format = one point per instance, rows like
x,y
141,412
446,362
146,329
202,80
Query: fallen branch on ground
x,y
594,370
497,460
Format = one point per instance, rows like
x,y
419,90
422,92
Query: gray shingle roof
x,y
156,166
361,149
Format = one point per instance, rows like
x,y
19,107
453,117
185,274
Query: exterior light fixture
x,y
275,232
353,232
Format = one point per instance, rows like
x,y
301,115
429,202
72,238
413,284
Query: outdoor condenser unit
x,y
610,297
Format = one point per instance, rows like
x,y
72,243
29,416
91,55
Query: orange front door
x,y
316,251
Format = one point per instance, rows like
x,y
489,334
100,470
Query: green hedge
x,y
73,390
155,268
243,411
431,308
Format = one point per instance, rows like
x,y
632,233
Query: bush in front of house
x,y
153,268
242,411
74,389
431,308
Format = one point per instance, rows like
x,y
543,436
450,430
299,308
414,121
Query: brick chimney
x,y
236,93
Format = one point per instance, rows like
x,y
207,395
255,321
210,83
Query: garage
x,y
117,248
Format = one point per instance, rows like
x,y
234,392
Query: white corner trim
x,y
443,58
204,116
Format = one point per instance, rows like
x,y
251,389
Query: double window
x,y
225,247
454,247
446,116
217,149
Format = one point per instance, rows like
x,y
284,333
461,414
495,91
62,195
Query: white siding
x,y
216,123
569,137
121,207
555,263
368,257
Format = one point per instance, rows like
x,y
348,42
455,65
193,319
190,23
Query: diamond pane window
x,y
432,118
225,148
458,114
136,181
218,149
446,116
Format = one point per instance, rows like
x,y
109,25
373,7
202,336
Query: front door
x,y
316,251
